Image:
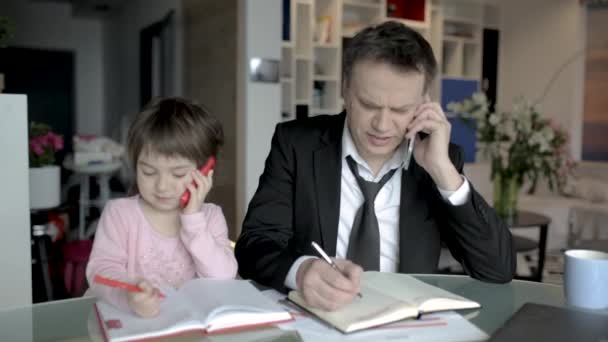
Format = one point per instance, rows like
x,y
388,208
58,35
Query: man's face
x,y
380,103
162,180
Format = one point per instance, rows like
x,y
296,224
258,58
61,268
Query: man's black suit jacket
x,y
298,201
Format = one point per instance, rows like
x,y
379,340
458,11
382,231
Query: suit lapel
x,y
327,174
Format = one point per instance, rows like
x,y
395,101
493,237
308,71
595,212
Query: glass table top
x,y
74,319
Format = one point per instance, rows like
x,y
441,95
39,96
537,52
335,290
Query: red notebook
x,y
204,306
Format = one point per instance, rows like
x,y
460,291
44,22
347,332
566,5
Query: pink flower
x,y
55,140
43,140
569,163
555,125
36,146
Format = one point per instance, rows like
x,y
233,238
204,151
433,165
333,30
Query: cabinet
x,y
316,31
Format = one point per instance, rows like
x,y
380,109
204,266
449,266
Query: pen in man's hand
x,y
329,261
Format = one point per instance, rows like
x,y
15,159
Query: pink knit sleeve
x,y
109,256
205,235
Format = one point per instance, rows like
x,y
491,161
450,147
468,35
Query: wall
x,y
210,30
121,57
15,258
259,103
220,38
49,25
595,125
536,38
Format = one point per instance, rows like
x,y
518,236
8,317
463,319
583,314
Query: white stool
x,y
81,176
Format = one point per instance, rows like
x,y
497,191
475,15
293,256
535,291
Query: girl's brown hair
x,y
175,127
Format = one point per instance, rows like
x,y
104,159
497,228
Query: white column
x,y
15,246
259,103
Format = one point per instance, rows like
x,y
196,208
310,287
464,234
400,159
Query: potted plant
x,y
45,176
521,145
6,32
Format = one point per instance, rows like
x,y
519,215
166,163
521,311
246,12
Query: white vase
x,y
45,184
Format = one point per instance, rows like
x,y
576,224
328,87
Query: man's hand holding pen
x,y
328,288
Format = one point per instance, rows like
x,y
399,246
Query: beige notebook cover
x,y
386,298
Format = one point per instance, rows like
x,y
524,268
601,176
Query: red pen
x,y
119,284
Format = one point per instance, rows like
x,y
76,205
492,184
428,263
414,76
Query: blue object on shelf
x,y
286,19
463,133
456,89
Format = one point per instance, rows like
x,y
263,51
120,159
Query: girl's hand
x,y
146,303
199,192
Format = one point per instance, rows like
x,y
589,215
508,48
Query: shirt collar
x,y
349,149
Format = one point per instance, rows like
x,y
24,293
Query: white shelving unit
x,y
357,14
311,70
462,46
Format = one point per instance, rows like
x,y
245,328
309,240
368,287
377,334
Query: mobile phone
x,y
205,169
408,153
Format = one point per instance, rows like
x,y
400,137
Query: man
x,y
317,180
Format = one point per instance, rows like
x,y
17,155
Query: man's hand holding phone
x,y
431,153
202,180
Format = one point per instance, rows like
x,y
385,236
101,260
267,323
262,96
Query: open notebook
x,y
201,305
386,298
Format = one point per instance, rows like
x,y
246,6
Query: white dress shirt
x,y
386,206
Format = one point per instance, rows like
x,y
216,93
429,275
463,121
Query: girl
x,y
149,239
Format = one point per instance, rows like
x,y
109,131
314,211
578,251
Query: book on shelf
x,y
322,30
387,298
206,306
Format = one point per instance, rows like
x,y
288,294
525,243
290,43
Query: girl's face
x,y
162,180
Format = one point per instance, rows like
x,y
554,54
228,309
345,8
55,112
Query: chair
x,y
81,176
588,228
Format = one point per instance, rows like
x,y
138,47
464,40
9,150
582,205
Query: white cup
x,y
586,279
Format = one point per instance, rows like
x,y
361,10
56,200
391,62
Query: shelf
x,y
286,62
471,60
459,77
304,57
286,97
327,62
302,102
462,20
303,21
456,39
362,4
325,78
421,25
311,67
349,33
451,58
326,46
304,79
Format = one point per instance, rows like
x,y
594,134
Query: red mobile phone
x,y
205,169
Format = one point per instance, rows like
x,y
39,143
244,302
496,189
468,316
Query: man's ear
x,y
345,95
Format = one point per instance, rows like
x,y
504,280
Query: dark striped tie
x,y
364,241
